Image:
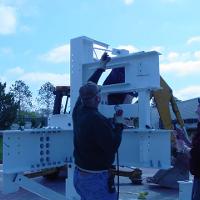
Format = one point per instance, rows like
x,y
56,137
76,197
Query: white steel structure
x,y
35,150
185,190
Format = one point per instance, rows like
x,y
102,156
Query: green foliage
x,y
8,108
34,123
22,95
42,122
46,97
21,121
37,122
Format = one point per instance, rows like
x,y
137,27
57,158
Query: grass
x,y
1,149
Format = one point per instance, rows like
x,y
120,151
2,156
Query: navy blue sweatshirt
x,y
96,140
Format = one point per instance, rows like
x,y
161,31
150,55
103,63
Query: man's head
x,y
90,94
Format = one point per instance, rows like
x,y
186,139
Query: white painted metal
x,y
38,149
69,185
144,108
37,188
146,148
120,52
63,121
32,151
141,72
81,51
22,152
141,75
185,190
130,110
9,186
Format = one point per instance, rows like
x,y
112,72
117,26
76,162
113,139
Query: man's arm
x,y
108,137
105,58
96,76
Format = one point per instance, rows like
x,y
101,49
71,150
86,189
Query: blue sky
x,y
35,35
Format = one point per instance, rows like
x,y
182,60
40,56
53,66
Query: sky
x,y
35,37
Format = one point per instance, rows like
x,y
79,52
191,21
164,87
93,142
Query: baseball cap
x,y
89,90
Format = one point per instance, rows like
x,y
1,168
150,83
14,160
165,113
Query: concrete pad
x,y
128,191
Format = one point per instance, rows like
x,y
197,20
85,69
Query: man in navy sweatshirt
x,y
96,140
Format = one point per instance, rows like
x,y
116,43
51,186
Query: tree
x,y
46,97
8,108
22,95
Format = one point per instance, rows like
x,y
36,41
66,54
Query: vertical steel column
x,y
144,108
81,52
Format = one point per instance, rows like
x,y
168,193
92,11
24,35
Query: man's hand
x,y
118,116
105,58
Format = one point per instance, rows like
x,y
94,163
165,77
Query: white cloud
x,y
8,21
181,63
16,71
34,79
2,79
195,39
39,78
179,56
181,68
128,47
157,48
186,56
197,55
172,56
59,54
128,2
188,92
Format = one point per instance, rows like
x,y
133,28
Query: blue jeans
x,y
92,186
196,189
